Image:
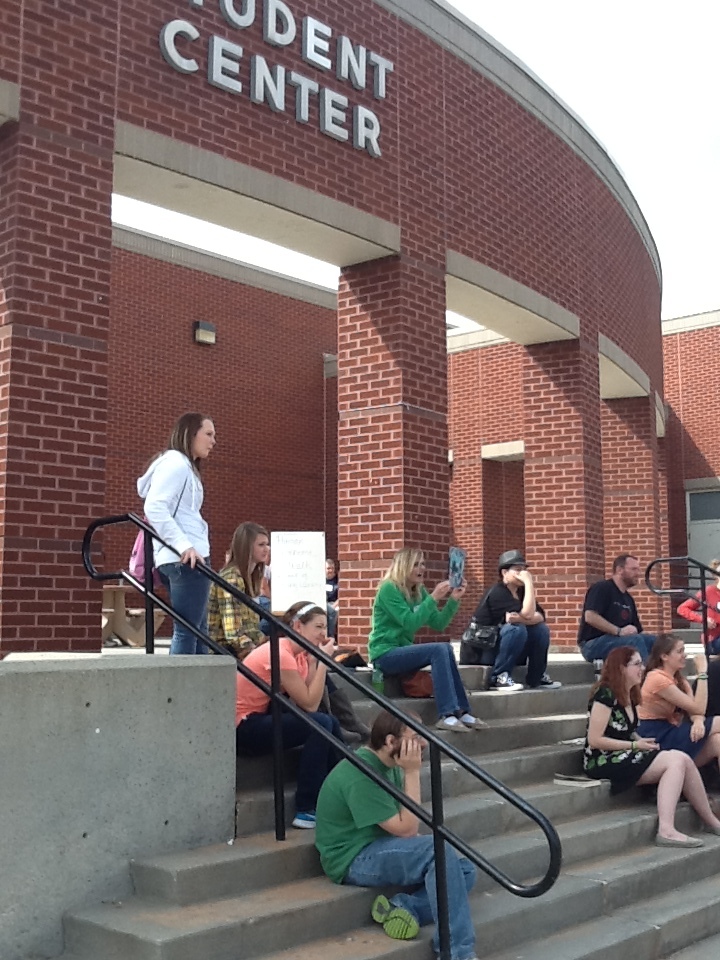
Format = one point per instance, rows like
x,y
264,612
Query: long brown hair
x,y
613,676
662,647
183,434
240,555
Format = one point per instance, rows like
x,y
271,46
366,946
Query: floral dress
x,y
623,768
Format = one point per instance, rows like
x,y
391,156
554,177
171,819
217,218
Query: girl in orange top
x,y
302,678
670,712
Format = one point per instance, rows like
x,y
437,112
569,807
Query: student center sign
x,y
265,81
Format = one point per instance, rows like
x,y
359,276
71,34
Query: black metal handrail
x,y
686,592
434,819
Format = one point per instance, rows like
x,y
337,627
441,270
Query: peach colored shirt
x,y
655,707
251,699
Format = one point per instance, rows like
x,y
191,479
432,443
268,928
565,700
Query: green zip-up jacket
x,y
396,620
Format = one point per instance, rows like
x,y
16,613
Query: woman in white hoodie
x,y
173,495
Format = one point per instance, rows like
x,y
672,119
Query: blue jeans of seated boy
x,y
406,861
254,738
189,591
599,647
518,641
448,689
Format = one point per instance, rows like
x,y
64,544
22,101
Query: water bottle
x,y
378,681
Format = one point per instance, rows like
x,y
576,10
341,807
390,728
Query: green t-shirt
x,y
396,620
349,808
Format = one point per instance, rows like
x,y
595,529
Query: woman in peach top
x,y
670,712
302,679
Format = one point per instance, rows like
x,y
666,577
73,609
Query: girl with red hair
x,y
614,751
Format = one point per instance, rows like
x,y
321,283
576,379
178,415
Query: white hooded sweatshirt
x,y
173,495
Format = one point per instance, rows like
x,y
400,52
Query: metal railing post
x,y
278,753
438,815
149,605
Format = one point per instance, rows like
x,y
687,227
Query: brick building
x,y
396,140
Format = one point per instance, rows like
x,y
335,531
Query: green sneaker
x,y
397,922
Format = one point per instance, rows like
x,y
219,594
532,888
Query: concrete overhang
x,y
511,450
9,101
620,375
178,176
660,416
503,305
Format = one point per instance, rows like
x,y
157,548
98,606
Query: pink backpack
x,y
136,563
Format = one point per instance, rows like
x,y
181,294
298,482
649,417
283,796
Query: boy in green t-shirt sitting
x,y
366,838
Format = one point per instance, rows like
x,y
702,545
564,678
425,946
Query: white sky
x,y
643,76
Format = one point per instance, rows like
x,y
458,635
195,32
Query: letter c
x,y
168,34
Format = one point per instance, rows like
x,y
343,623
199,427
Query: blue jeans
x,y
254,738
448,689
189,592
599,647
518,641
408,861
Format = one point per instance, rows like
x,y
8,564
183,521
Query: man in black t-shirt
x,y
609,615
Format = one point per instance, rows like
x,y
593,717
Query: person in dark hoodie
x,y
173,493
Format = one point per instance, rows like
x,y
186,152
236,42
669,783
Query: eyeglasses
x,y
635,663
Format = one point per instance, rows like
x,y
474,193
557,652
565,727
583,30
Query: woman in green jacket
x,y
402,606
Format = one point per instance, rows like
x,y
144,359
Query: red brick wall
x,y
262,384
692,433
537,212
527,205
55,234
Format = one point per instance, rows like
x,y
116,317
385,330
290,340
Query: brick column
x,y
393,472
631,496
55,244
563,482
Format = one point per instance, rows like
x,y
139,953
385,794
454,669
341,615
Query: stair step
x,y
511,767
677,921
705,950
237,928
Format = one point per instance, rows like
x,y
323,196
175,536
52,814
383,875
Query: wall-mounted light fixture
x,y
204,332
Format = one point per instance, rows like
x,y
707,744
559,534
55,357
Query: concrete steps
x,y
618,895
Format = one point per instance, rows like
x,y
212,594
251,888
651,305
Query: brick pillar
x,y
55,244
563,481
466,488
631,496
393,471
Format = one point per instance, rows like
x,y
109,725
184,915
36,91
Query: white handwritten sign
x,y
298,568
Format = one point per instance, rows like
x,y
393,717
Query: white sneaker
x,y
452,724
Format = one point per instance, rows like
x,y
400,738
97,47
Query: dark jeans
x,y
517,642
254,738
599,647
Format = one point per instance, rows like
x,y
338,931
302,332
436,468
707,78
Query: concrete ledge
x,y
103,760
465,40
504,305
512,450
9,101
184,255
697,321
178,176
620,375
